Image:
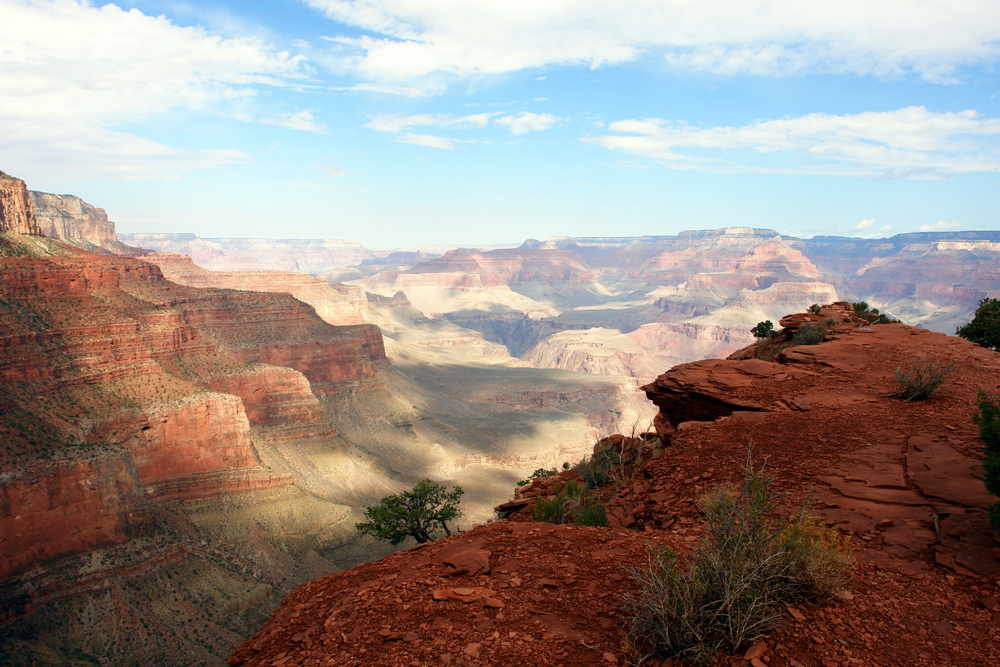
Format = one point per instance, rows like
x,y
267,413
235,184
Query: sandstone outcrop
x,y
72,220
16,214
901,477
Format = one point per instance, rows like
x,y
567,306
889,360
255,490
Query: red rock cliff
x,y
16,214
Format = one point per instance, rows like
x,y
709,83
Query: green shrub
x,y
809,334
763,329
591,512
541,472
988,419
570,505
415,513
921,379
985,325
860,308
739,579
596,470
815,308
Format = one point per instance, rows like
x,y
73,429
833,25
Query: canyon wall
x,y
16,214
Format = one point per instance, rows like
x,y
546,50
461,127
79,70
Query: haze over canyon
x,y
192,426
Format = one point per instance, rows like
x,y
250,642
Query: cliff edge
x,y
903,478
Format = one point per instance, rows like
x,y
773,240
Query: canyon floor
x,y
902,478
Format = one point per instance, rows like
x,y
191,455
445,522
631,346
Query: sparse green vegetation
x,y
985,325
809,334
738,580
764,329
921,379
987,417
570,504
416,513
596,469
541,472
815,308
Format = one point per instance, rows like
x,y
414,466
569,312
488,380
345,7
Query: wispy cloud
x,y
334,171
71,74
400,124
525,121
299,120
941,226
411,41
906,143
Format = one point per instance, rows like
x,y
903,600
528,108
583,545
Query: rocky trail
x,y
903,478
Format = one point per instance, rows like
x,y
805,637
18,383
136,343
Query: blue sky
x,y
403,122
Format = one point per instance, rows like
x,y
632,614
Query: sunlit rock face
x,y
16,214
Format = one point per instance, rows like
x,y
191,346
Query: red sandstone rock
x,y
16,214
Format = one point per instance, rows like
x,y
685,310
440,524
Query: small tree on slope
x,y
416,513
985,325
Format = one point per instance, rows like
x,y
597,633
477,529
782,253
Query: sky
x,y
413,122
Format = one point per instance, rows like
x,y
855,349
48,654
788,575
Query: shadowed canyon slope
x,y
903,477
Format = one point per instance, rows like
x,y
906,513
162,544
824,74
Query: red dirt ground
x,y
902,477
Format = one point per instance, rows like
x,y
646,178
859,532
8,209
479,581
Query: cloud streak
x,y
911,143
410,40
517,124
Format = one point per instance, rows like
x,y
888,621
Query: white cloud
x,y
906,143
401,124
428,140
404,91
299,120
525,121
334,172
865,224
941,226
411,40
72,75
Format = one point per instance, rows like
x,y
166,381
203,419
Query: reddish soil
x,y
902,477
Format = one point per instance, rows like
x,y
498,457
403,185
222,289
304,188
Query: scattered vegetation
x,y
570,504
737,582
415,513
921,379
809,334
988,418
985,325
815,308
596,469
764,329
541,472
607,465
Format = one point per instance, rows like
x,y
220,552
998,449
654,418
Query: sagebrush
x,y
921,379
737,581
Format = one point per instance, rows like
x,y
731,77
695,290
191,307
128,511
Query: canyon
x,y
192,427
903,478
180,451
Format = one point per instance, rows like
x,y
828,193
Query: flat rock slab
x,y
941,472
864,492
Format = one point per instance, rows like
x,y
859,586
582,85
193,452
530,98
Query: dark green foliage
x,y
570,505
860,308
809,334
985,325
921,379
541,472
814,308
415,513
740,578
763,329
596,470
988,419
